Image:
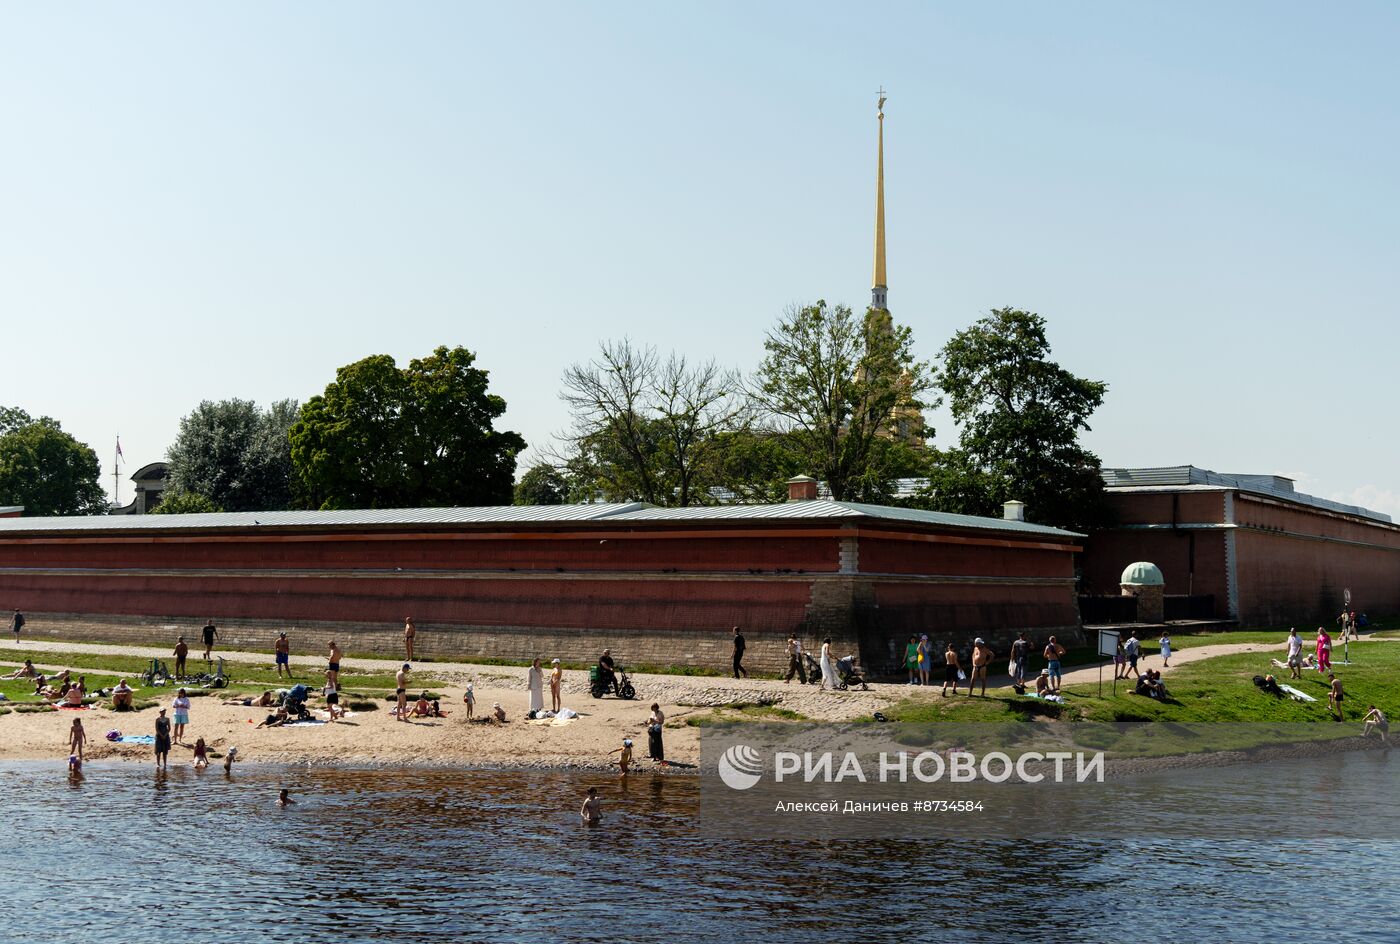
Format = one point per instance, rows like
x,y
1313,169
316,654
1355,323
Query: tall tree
x,y
834,384
645,428
235,454
381,436
46,470
1020,415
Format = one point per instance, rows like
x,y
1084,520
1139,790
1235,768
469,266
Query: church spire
x,y
878,288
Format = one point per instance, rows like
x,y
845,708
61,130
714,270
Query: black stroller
x,y
849,675
295,703
814,669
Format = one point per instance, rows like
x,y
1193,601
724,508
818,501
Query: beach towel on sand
x,y
137,739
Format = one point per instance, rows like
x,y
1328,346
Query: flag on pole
x,y
119,448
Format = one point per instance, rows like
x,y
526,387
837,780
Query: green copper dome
x,y
1142,574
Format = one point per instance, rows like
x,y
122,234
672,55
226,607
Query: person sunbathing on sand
x,y
74,698
277,719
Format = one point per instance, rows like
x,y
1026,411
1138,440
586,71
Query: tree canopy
x,y
382,436
1020,415
184,503
234,454
46,470
833,383
542,485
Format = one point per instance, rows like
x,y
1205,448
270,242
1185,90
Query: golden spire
x,y
878,287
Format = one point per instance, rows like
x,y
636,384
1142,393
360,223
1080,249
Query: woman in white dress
x,y
536,680
828,666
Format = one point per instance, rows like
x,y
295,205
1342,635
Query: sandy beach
x,y
377,738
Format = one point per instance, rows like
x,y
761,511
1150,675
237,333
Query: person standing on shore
x,y
556,686
162,740
283,649
16,624
534,679
181,705
408,633
181,653
1020,652
1053,651
1324,650
1166,643
624,755
828,666
981,661
77,737
656,750
911,660
951,669
209,634
739,645
1295,653
794,654
1133,648
925,656
331,691
333,664
1335,696
469,699
401,679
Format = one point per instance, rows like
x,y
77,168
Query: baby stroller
x,y
295,703
849,675
814,669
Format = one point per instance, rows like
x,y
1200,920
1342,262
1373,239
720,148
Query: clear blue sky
x,y
217,200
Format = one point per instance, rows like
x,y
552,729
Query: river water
x,y
435,856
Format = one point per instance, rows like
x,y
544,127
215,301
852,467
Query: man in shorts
x,y
16,624
981,659
333,672
283,649
951,668
209,635
1133,649
181,653
1053,651
1335,696
409,632
401,679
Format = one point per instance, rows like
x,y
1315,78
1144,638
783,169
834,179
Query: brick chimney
x,y
1014,511
802,488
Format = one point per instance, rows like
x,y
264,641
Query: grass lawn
x,y
1218,689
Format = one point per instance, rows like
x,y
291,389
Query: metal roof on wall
x,y
1274,486
618,513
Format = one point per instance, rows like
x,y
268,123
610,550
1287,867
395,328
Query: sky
x,y
201,201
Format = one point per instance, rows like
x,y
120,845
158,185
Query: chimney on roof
x,y
802,488
1014,511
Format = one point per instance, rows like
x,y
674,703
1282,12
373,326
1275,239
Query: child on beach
x,y
469,699
75,767
624,755
77,737
201,753
229,758
1166,643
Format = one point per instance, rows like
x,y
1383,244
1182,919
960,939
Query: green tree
x,y
48,471
185,503
381,436
542,485
645,428
833,384
1020,415
13,418
235,454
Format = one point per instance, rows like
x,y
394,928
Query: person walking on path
x,y
925,659
1020,652
1133,649
981,660
181,707
1166,643
795,666
77,737
828,666
333,664
16,624
181,653
283,649
162,740
911,660
401,679
535,679
951,669
1295,653
656,750
556,686
408,633
209,634
1053,652
1324,650
739,646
